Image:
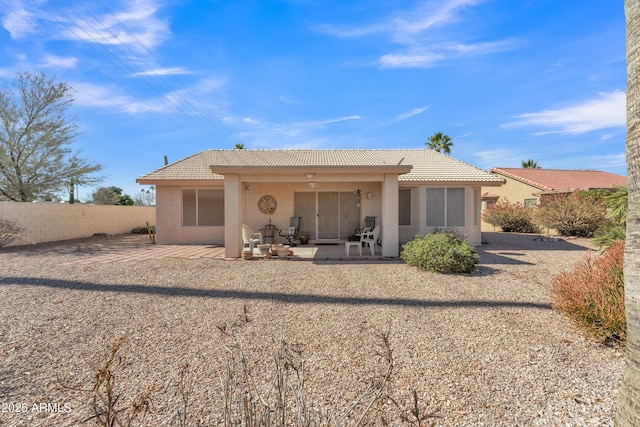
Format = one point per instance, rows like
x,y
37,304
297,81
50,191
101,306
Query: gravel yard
x,y
478,349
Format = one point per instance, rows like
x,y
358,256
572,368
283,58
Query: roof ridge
x,y
522,179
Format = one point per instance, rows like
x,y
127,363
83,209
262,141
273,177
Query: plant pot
x,y
246,255
304,240
283,251
264,249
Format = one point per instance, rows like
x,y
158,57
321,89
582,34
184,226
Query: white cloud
x,y
52,61
137,23
431,15
420,36
415,59
163,72
414,112
606,111
91,95
19,22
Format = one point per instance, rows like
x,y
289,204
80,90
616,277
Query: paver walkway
x,y
156,252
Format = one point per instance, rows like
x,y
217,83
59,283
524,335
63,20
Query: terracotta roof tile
x,y
427,165
563,180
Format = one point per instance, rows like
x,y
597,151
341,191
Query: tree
x,y
440,143
628,401
35,137
239,146
146,197
111,196
530,164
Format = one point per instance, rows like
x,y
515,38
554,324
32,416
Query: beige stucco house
x,y
529,186
205,198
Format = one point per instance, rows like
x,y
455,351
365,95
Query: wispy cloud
x,y
137,23
19,22
91,95
293,129
163,72
405,116
420,37
52,61
606,111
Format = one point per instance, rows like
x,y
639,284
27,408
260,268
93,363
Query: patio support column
x,y
390,232
232,217
421,201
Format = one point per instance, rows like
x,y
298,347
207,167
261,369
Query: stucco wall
x,y
472,229
171,231
50,222
169,216
169,220
513,191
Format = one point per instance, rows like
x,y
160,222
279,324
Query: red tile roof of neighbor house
x,y
563,180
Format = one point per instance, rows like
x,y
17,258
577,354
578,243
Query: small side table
x,y
269,233
348,244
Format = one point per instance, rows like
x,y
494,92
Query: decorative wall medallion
x,y
267,204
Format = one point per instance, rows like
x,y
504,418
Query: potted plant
x,y
304,238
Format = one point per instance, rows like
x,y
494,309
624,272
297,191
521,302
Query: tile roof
x,y
562,180
427,165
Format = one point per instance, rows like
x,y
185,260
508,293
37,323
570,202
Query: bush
x,y
576,214
592,294
615,229
10,232
510,217
440,253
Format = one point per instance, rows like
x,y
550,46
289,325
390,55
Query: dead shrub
x,y
576,214
9,232
591,294
510,217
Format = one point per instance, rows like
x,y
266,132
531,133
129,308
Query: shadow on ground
x,y
266,296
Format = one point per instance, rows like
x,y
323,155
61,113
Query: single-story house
x,y
529,186
207,197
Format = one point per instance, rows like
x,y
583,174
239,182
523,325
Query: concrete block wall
x,y
50,222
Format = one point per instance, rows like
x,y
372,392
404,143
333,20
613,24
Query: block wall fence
x,y
50,222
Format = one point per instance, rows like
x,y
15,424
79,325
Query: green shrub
x,y
440,253
615,227
510,217
576,214
592,294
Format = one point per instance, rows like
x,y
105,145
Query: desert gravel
x,y
483,349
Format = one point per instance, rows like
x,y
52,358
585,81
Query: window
x,y
202,207
404,206
531,203
445,207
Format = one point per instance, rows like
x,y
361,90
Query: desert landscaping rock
x,y
479,349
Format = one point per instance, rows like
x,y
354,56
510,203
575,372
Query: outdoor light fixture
x,y
311,175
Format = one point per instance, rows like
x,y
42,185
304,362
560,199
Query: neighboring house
x,y
529,186
205,198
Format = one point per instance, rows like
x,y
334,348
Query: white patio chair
x,y
249,237
371,238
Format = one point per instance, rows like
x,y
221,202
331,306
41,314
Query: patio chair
x,y
292,232
371,238
249,237
369,224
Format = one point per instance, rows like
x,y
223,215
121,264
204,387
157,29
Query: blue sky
x,y
506,80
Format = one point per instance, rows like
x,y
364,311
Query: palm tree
x,y
440,143
239,146
628,401
530,164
